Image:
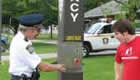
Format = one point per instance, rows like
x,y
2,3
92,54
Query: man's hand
x,y
46,67
60,67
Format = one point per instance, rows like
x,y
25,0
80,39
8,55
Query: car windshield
x,y
93,28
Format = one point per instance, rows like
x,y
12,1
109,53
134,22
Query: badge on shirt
x,y
30,49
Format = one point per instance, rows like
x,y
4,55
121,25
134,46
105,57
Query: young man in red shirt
x,y
127,58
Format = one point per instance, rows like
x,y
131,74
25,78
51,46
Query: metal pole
x,y
0,25
51,33
70,39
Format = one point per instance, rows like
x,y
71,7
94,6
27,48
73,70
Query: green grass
x,y
4,75
40,37
41,48
137,25
94,68
48,75
47,37
44,47
99,68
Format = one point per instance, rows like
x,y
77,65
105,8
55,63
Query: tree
x,y
15,8
130,9
50,9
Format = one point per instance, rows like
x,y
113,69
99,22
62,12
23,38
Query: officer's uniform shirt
x,y
23,59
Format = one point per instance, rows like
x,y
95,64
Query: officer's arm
x,y
46,67
118,71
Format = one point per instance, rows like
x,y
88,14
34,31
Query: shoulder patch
x,y
30,49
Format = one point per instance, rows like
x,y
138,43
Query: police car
x,y
99,37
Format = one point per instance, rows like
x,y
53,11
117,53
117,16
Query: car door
x,y
108,38
101,38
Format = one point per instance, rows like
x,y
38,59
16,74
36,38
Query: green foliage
x,y
49,8
138,25
129,10
15,8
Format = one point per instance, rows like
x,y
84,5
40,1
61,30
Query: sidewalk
x,y
46,41
43,56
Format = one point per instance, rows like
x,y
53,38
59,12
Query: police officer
x,y
24,62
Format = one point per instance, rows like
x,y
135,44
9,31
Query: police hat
x,y
30,20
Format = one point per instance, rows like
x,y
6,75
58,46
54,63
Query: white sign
x,y
74,8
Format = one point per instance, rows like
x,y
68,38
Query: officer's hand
x,y
61,67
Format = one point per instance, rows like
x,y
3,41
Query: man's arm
x,y
118,71
46,67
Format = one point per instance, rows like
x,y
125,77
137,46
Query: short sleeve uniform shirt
x,y
23,59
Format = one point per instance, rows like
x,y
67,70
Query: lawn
x,y
99,68
94,68
47,37
44,47
41,47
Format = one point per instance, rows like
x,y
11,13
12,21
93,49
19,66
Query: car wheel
x,y
86,50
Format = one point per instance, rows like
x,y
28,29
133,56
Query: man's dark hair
x,y
124,25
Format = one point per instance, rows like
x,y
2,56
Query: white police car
x,y
99,37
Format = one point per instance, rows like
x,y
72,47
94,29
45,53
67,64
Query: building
x,y
109,9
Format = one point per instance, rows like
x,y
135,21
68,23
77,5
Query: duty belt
x,y
22,77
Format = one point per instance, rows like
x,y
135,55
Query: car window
x,y
106,29
93,28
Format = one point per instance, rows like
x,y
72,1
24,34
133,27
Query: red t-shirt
x,y
129,55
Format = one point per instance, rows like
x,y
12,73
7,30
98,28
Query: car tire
x,y
86,50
